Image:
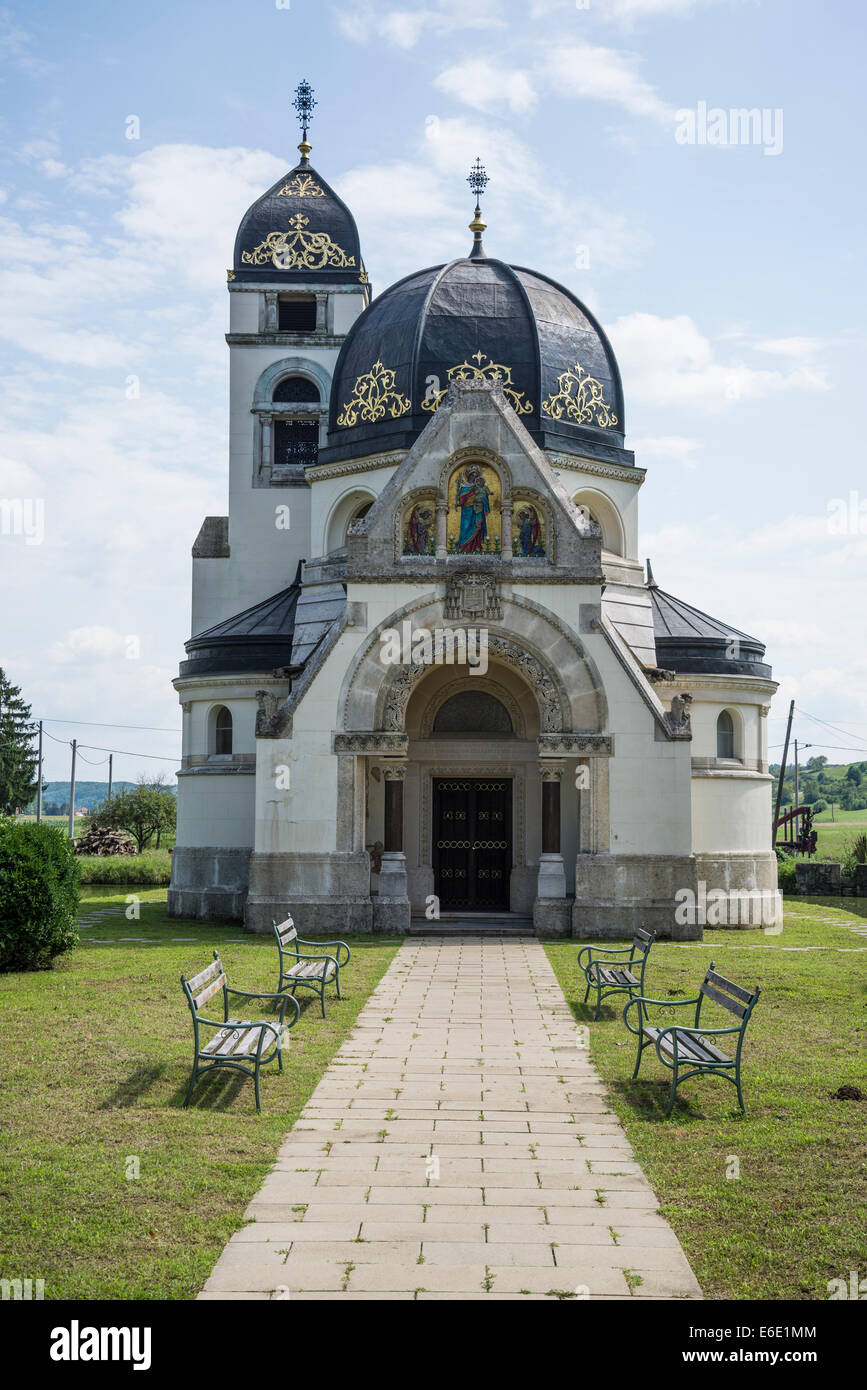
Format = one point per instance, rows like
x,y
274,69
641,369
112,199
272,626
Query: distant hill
x,y
822,784
55,797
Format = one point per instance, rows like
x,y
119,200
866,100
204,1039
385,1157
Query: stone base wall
x,y
818,879
327,893
209,884
552,916
617,893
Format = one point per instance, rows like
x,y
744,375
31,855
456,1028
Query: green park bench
x,y
691,1048
242,1045
609,975
308,969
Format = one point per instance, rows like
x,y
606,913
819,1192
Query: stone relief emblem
x,y
473,596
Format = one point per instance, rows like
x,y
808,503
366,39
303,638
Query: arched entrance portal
x,y
464,785
472,757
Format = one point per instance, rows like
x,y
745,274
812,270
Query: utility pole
x,y
783,770
39,788
797,802
110,756
72,794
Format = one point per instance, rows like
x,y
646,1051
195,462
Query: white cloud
x,y
415,212
674,447
790,347
482,85
594,73
404,28
670,360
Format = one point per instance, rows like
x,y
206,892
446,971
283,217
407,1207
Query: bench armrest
x,y
341,945
281,999
642,1000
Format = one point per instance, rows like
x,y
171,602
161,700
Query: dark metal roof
x,y
258,639
689,641
302,192
487,314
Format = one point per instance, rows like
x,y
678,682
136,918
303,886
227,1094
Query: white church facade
x,y
427,672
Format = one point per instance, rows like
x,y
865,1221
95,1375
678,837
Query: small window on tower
x,y
296,315
296,388
223,731
295,441
725,735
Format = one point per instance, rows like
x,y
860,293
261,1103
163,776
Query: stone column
x,y
552,871
321,312
267,433
506,538
392,912
270,311
442,533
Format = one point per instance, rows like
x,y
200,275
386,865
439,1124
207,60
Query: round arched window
x,y
296,389
222,731
725,735
473,712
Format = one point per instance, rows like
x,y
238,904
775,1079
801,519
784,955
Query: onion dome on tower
x,y
477,318
299,229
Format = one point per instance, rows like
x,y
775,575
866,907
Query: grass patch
x,y
794,1219
97,1055
154,868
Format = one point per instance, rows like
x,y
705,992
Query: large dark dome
x,y
299,231
476,317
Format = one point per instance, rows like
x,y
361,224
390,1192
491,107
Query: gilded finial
x,y
304,103
478,181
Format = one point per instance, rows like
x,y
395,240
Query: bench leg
x,y
587,990
740,1092
672,1093
337,982
641,1047
598,1000
258,1095
192,1082
322,997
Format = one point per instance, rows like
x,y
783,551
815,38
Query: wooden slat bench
x,y
308,969
609,975
678,1047
243,1045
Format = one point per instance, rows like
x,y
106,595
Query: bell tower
x,y
296,286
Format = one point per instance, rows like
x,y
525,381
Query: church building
x,y
429,679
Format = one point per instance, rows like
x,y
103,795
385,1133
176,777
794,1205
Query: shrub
x,y
785,872
38,895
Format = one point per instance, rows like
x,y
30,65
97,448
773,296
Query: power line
x,y
95,724
836,727
125,753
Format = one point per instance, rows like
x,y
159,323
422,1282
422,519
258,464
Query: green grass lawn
x,y
96,1061
796,1217
153,867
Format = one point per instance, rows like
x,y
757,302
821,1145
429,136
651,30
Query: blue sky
x,y
730,280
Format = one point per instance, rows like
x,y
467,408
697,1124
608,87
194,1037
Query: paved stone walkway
x,y
459,1146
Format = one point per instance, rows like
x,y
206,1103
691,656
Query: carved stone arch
x,y
263,393
341,512
471,453
486,685
375,696
605,515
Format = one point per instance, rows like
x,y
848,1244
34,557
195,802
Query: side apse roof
x,y
258,639
690,641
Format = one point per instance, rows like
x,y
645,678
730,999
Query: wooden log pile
x,y
100,841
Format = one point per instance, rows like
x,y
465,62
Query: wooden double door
x,y
472,842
